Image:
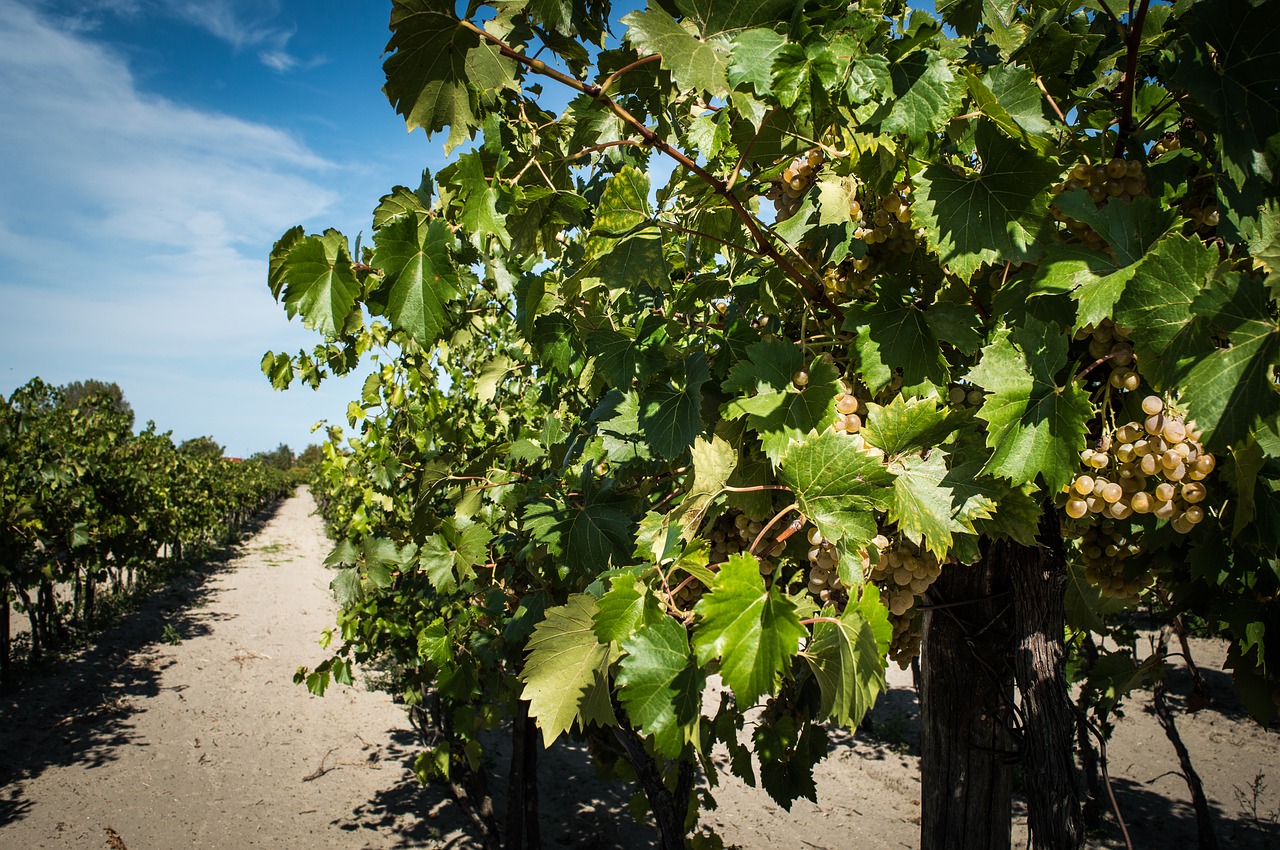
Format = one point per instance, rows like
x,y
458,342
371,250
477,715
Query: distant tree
x,y
79,393
206,446
281,457
311,455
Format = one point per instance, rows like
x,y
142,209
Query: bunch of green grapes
x,y
1150,467
851,407
733,534
848,278
796,179
824,579
1105,549
961,397
1168,142
1118,179
904,572
1107,339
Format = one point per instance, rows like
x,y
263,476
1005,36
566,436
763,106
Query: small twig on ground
x,y
321,770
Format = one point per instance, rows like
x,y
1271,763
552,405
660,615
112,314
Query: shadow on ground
x,y
579,810
79,711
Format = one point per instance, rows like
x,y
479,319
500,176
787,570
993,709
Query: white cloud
x,y
134,232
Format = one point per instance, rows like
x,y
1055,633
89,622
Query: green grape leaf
x,y
848,665
924,94
929,509
623,355
480,199
754,52
838,486
624,205
588,537
1008,95
401,202
279,252
694,64
1036,427
1232,389
660,686
712,462
1017,511
781,417
1094,279
908,426
318,282
434,66
1156,304
752,630
1129,228
421,276
671,412
714,17
895,334
999,215
565,663
627,606
435,643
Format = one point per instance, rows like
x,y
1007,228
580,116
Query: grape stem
x,y
1095,364
771,523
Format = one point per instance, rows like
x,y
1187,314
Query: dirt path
x,y
206,743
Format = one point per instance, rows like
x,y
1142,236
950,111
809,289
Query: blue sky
x,y
152,152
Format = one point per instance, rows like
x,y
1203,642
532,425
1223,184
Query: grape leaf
x,y
1128,227
624,205
1230,390
421,276
838,486
1036,427
923,96
435,63
712,462
999,215
928,509
1156,304
694,64
623,355
848,665
589,537
908,426
781,417
752,630
671,412
892,334
660,686
564,664
318,281
626,606
1007,94
753,54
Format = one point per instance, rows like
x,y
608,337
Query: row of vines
x,y
85,503
779,341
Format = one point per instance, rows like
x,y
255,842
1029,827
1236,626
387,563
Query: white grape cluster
x,y
850,410
961,397
887,221
1168,142
1155,467
1107,339
824,579
787,192
1104,549
730,534
884,224
904,572
1119,179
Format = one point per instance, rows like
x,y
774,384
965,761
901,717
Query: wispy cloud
x,y
134,232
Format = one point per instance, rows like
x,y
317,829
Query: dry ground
x,y
206,743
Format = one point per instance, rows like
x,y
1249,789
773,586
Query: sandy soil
x,y
141,743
